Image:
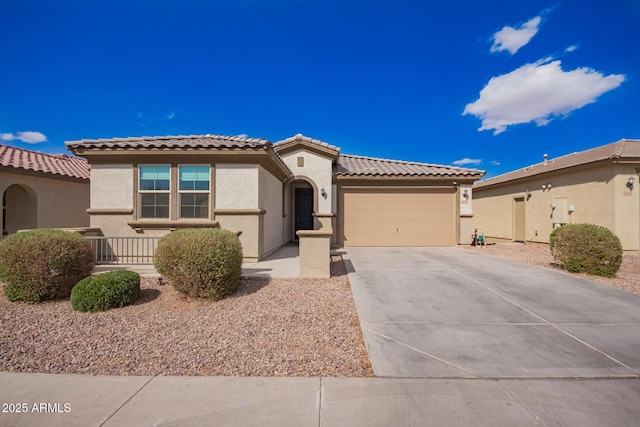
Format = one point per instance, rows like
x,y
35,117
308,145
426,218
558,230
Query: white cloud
x,y
146,119
512,39
494,163
29,137
467,161
536,93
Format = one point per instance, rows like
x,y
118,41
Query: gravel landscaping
x,y
627,278
279,327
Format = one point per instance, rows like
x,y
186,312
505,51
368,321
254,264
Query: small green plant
x,y
587,248
574,265
43,264
201,263
114,289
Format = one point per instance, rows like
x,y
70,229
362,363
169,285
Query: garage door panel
x,y
399,217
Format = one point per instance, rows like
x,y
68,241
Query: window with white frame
x,y
154,191
194,189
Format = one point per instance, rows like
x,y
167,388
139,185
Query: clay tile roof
x,y
625,148
56,164
301,138
349,165
180,141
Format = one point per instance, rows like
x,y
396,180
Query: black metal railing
x,y
123,250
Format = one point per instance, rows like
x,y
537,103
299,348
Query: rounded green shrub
x,y
43,264
587,248
114,289
201,263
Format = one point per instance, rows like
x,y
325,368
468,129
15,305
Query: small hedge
x,y
587,248
43,264
102,292
201,263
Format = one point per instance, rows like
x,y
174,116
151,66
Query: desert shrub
x,y
43,264
587,248
114,289
201,263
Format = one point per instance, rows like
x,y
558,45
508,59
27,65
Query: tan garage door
x,y
399,217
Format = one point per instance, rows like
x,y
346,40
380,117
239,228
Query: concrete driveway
x,y
453,313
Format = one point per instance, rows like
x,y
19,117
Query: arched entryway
x,y
19,209
302,204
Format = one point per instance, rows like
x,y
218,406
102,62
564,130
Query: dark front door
x,y
304,209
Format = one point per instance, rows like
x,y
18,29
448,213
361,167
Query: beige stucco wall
x,y
465,218
318,169
466,230
61,203
247,198
627,206
112,199
466,203
115,225
250,225
271,203
287,214
104,191
597,196
315,253
237,186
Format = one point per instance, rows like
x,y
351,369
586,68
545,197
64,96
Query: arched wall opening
x,y
19,209
301,203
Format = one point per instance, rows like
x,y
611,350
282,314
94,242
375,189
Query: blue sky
x,y
491,85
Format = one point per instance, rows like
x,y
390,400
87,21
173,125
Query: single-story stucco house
x,y
42,190
268,191
597,186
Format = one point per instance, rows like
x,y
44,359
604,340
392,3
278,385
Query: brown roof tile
x,y
302,138
180,141
349,165
57,164
625,148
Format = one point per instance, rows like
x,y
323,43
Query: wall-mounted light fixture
x,y
527,192
465,193
323,193
546,186
630,182
553,205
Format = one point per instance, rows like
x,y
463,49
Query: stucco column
x,y
315,253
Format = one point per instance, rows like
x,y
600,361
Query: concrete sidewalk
x,y
76,400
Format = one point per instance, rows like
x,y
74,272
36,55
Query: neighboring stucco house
x,y
42,190
597,186
152,185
